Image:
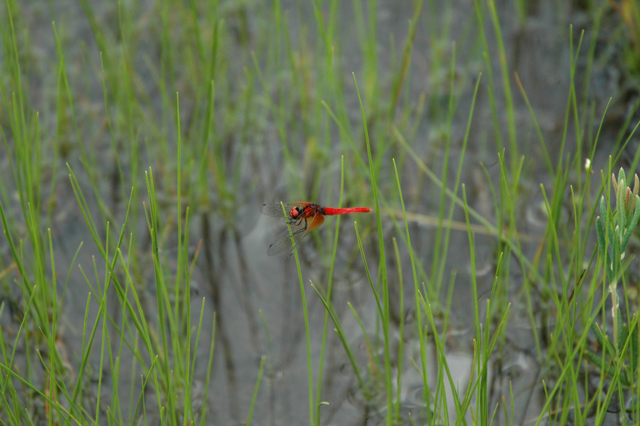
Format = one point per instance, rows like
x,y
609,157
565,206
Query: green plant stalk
x,y
508,98
491,91
343,339
162,296
400,331
328,296
440,253
114,144
255,390
579,133
406,59
416,289
20,122
17,409
312,408
458,178
203,414
507,185
382,268
270,354
481,415
545,151
134,376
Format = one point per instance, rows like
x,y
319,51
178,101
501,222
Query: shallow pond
x,y
256,298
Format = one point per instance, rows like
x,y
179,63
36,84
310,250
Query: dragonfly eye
x,y
294,212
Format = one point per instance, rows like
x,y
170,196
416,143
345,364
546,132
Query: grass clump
x,y
140,140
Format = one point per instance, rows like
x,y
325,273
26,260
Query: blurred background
x,y
232,104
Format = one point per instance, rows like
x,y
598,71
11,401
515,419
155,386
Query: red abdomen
x,y
331,211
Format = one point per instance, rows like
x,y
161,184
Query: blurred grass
x,y
208,106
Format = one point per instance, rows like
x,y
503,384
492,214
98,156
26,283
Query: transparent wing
x,y
299,232
283,242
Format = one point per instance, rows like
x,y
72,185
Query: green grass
x,y
140,139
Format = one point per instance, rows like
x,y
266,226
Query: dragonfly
x,y
302,217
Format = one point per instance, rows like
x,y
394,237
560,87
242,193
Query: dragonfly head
x,y
295,212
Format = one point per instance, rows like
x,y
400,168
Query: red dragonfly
x,y
302,218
